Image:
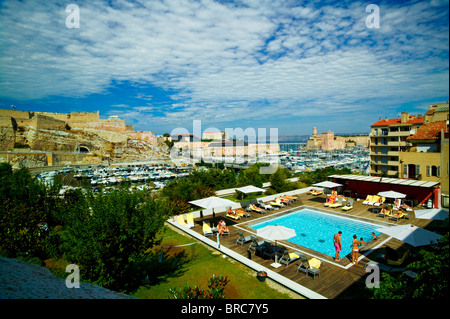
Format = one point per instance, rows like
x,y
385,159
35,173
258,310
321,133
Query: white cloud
x,y
226,60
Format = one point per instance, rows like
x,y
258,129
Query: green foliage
x,y
108,235
320,175
199,184
169,143
431,282
252,176
216,287
279,180
25,207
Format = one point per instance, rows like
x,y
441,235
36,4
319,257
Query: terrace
x,y
335,277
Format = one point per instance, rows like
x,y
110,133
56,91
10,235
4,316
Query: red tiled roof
x,y
429,131
414,120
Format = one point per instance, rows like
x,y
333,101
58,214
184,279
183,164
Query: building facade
x,y
413,147
425,157
387,137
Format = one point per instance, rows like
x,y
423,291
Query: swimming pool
x,y
315,230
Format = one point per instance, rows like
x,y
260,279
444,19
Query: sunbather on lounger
x,y
241,213
256,208
406,207
232,214
222,226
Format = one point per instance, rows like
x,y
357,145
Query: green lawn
x,y
205,262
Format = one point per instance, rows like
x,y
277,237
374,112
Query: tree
x,y
25,207
108,235
279,182
431,282
251,176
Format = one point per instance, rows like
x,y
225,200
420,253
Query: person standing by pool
x,y
337,245
355,249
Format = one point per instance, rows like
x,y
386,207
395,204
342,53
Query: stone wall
x,y
16,114
48,132
47,123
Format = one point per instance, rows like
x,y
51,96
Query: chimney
x,y
405,117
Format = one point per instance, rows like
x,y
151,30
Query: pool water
x,y
315,230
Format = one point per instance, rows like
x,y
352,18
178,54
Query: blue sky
x,y
290,65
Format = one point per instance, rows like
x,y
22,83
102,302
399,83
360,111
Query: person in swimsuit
x,y
355,249
337,245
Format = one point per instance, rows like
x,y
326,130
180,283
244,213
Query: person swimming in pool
x,y
355,249
337,245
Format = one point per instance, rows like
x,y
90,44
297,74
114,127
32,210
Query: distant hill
x,y
293,138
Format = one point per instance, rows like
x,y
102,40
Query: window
x,y
434,171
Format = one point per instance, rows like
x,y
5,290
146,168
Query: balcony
x,y
393,153
400,133
396,143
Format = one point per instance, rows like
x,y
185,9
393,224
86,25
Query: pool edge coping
x,y
301,290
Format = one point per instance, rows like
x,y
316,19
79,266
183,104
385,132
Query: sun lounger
x,y
269,251
330,201
233,215
265,206
336,204
276,204
349,205
397,204
287,257
384,212
207,231
384,267
396,216
180,220
367,200
375,199
311,266
380,201
316,192
283,200
223,228
245,205
406,207
255,243
291,197
243,239
257,209
190,220
399,261
241,213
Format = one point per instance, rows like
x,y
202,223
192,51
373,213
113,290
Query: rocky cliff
x,y
28,133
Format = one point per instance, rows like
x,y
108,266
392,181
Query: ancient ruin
x,y
34,139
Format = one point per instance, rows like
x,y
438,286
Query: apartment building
x,y
387,139
425,156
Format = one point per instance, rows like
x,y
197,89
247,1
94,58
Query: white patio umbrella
x,y
434,214
327,184
211,203
411,234
276,233
250,189
391,194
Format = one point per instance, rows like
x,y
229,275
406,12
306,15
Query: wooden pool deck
x,y
335,277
